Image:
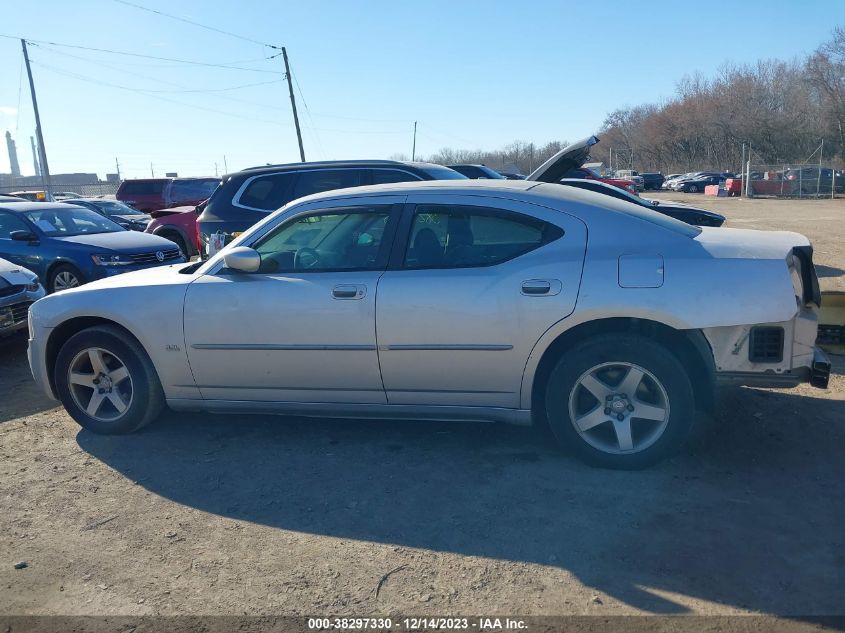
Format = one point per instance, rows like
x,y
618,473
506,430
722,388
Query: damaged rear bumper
x,y
817,374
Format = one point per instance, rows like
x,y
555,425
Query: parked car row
x,y
67,245
696,181
246,197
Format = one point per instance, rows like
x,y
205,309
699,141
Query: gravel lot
x,y
204,514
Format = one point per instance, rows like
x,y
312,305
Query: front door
x,y
302,328
461,307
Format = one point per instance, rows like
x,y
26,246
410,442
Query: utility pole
x,y
152,173
225,166
414,147
117,166
293,104
45,170
215,170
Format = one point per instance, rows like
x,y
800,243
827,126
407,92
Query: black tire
x,y
177,239
62,271
692,189
620,348
147,399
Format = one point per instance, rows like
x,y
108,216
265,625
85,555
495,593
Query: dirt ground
x,y
202,514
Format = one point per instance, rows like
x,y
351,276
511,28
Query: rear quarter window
x,y
267,193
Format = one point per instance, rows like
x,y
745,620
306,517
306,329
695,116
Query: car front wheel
x,y
62,277
106,381
620,401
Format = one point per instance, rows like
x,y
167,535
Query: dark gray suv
x,y
248,196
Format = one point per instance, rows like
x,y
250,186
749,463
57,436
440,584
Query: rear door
x,y
472,284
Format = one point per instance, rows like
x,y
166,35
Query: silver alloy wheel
x,y
100,384
64,280
619,408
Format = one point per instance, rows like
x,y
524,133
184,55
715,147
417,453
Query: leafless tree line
x,y
781,110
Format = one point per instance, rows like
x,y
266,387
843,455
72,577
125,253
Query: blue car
x,y
67,245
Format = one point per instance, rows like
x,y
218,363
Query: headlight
x,y
111,260
33,285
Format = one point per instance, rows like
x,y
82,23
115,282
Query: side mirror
x,y
23,236
243,259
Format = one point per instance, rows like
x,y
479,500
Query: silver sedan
x,y
512,301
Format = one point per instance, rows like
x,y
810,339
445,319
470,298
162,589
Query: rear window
x,y
192,189
142,187
437,172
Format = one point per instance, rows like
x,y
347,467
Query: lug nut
x,y
101,391
96,381
630,407
607,411
620,417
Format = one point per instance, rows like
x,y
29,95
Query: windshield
x,y
113,207
442,173
54,222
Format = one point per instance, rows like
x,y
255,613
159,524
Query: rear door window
x,y
465,237
325,180
143,188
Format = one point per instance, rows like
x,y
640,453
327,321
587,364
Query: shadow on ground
x,y
752,518
19,396
828,271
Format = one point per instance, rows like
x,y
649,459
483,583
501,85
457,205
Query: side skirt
x,y
519,417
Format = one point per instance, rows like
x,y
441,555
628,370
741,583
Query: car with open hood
x,y
491,304
67,245
569,163
19,289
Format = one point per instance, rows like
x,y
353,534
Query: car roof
x,y
337,164
35,206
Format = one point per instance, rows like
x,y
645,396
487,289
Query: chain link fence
x,y
85,190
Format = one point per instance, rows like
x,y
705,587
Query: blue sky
x,y
475,75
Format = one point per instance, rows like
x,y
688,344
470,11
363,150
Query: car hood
x,y
13,275
726,243
134,219
568,158
120,241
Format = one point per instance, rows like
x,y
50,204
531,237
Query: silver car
x,y
19,289
513,301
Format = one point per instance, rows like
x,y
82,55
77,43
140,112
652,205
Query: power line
x,y
202,26
164,59
79,77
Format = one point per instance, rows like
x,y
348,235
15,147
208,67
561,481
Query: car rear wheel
x,y
177,239
62,277
692,189
106,381
620,401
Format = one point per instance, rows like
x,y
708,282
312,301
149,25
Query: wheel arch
x,y
58,262
690,346
164,229
62,333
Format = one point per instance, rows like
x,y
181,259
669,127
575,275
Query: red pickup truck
x,y
152,194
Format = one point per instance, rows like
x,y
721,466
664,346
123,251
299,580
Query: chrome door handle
x,y
541,287
349,291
